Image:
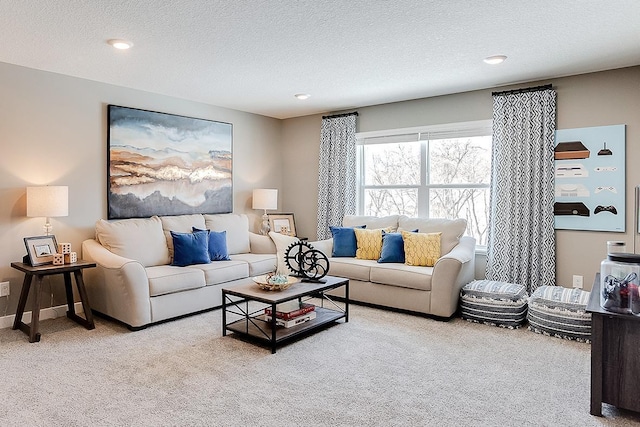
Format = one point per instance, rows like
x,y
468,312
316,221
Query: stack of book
x,y
291,313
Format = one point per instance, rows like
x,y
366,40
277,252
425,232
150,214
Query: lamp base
x,y
264,227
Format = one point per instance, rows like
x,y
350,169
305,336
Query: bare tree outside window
x,y
455,183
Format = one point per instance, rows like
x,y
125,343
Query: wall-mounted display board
x,y
590,179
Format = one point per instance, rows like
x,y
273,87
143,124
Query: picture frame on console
x,y
283,223
40,249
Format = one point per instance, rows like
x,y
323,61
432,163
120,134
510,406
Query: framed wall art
x,y
40,249
164,164
282,223
590,179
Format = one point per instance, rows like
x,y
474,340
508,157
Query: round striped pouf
x,y
494,303
560,312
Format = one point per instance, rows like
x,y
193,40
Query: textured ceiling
x,y
254,55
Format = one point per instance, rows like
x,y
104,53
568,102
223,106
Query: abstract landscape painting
x,y
164,164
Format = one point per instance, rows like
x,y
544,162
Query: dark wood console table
x,y
46,270
615,356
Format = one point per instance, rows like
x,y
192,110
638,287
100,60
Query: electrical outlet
x,y
577,281
4,289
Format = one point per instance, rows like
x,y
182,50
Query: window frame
x,y
422,134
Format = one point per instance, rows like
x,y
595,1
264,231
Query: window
x,y
436,171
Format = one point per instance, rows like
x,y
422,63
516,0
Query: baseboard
x,y
45,313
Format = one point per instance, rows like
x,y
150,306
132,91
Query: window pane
x,y
392,164
460,160
385,202
471,204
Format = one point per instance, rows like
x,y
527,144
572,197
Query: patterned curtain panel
x,y
521,239
336,172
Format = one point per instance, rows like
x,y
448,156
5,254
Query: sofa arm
x,y
118,286
450,273
261,244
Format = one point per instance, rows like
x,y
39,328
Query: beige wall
x,y
597,99
53,131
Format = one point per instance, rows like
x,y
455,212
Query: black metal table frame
x,y
269,331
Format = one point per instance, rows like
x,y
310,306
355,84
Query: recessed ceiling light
x,y
495,59
302,95
120,44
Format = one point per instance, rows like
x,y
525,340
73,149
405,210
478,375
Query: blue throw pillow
x,y
190,248
344,241
392,247
217,245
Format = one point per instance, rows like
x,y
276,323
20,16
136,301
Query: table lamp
x,y
48,202
265,198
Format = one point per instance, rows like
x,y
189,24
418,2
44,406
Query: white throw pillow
x,y
282,242
237,228
141,239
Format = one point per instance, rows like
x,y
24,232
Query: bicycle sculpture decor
x,y
307,262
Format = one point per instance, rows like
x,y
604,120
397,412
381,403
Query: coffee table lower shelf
x,y
259,329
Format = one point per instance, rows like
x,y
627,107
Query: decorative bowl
x,y
266,282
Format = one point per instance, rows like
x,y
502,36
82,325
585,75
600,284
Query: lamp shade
x,y
47,201
265,198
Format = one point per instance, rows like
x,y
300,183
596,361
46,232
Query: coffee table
x,y
243,307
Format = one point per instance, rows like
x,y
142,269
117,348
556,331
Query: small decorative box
x,y
70,258
58,259
64,248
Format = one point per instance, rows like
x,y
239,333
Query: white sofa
x,y
427,290
135,283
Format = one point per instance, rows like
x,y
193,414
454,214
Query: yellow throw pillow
x,y
421,249
369,243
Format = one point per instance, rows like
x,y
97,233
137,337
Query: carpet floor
x,y
380,369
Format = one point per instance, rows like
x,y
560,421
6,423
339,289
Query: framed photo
x,y
40,249
164,164
282,223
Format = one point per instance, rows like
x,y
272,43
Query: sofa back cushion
x,y
387,223
141,239
452,229
237,228
180,224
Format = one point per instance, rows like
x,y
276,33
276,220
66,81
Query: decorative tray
x,y
264,283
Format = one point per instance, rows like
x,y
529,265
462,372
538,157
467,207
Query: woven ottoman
x,y
494,303
560,312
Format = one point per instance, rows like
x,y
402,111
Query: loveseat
x,y
136,283
431,290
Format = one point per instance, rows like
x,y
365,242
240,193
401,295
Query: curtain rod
x,y
523,90
355,113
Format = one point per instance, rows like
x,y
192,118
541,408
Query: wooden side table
x,y
615,365
46,270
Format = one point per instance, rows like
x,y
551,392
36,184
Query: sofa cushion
x,y
223,271
141,239
421,249
258,263
344,241
237,228
451,229
386,222
392,248
190,248
166,279
217,245
351,268
369,243
181,224
404,276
